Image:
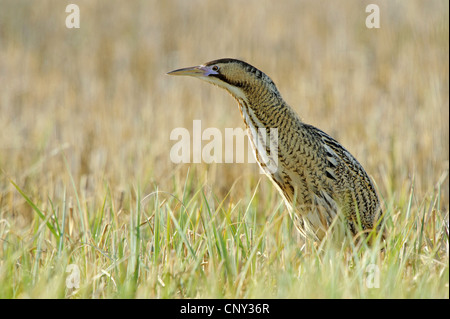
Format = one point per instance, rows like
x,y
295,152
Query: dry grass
x,y
85,118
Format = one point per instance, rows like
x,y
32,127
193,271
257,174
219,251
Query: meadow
x,y
91,206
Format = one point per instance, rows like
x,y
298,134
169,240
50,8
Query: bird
x,y
320,181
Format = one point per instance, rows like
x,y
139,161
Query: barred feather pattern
x,y
317,177
320,181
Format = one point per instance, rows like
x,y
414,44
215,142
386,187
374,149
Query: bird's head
x,y
237,77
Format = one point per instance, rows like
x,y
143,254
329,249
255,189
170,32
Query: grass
x,y
191,245
85,174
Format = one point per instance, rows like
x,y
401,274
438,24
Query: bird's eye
x,y
215,68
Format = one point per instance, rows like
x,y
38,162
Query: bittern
x,y
317,177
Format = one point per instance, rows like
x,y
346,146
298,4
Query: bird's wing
x,y
355,190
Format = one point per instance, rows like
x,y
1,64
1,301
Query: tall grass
x,y
85,173
166,247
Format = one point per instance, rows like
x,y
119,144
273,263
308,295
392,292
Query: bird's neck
x,y
263,107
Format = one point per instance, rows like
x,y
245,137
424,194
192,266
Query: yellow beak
x,y
196,71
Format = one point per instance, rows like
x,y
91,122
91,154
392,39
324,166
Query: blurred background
x,y
95,104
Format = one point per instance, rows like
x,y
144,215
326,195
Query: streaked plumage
x,y
317,177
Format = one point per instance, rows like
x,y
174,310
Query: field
x,y
91,205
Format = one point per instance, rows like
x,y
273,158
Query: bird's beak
x,y
195,71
